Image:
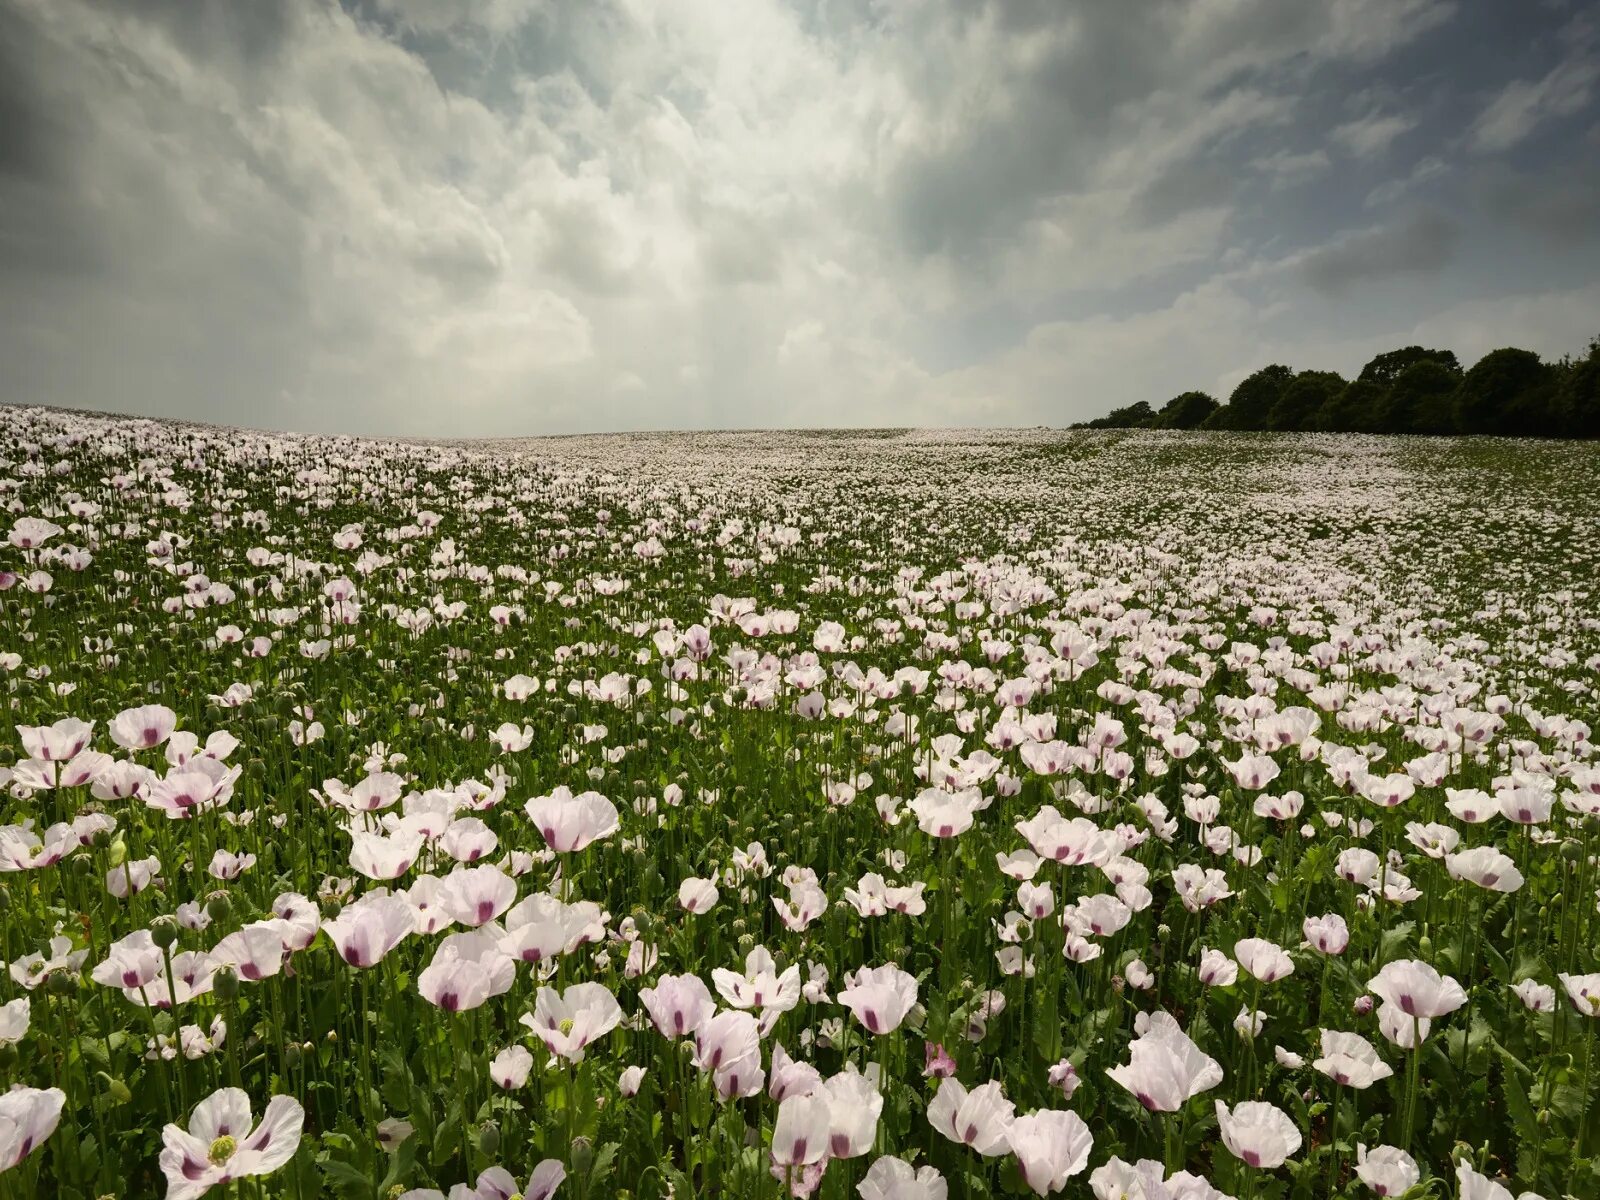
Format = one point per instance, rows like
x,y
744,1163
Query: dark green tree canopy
x,y
1484,401
1300,402
1385,368
1508,392
1187,411
1253,399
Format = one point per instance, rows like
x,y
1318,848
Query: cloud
x,y
1372,134
508,216
1390,190
1523,105
1422,242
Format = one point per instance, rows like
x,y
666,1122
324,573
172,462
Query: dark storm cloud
x,y
1422,242
495,216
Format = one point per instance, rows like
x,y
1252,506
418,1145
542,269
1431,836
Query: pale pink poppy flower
x,y
132,877
1051,1146
678,1004
728,1037
367,930
1485,866
1350,1060
467,970
1387,1170
569,823
1252,771
1264,960
854,1106
539,927
1165,1066
28,1116
29,533
143,727
468,839
1417,989
1258,1134
14,1021
800,1133
1583,991
1399,1027
221,1144
630,1081
1217,969
510,1068
383,858
891,1178
979,1118
300,918
880,997
568,1022
697,895
1535,996
255,951
58,742
199,786
760,986
474,896
131,962
790,1077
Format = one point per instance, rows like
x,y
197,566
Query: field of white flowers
x,y
902,816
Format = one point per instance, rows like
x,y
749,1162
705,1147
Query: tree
x,y
1187,411
1421,399
1385,368
1353,410
1300,402
1253,399
1132,416
1487,399
1580,396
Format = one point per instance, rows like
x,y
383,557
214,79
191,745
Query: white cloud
x,y
1371,135
1523,105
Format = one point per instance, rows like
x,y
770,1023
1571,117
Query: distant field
x,y
901,814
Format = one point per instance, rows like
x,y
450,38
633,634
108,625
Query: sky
x,y
503,217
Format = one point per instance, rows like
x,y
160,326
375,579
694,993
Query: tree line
x,y
1508,392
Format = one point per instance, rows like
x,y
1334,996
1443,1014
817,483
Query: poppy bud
x,y
1425,946
117,853
116,1089
8,1055
582,1155
291,1056
5,899
225,983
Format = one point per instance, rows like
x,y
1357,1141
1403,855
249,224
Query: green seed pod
x,y
489,1140
8,1055
582,1155
1571,851
62,983
219,906
225,984
164,933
